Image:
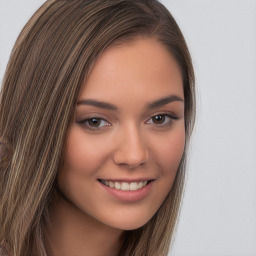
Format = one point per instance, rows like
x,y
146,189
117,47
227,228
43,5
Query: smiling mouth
x,y
125,186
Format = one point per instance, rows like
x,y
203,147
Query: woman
x,y
97,108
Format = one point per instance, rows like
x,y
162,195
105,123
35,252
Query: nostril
x,y
131,159
131,150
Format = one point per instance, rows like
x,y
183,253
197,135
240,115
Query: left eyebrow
x,y
164,101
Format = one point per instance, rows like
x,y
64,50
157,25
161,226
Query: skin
x,y
138,140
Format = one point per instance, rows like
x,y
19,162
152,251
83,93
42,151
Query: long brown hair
x,y
49,63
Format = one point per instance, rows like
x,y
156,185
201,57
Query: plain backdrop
x,y
218,217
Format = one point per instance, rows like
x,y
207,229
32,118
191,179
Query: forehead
x,y
139,66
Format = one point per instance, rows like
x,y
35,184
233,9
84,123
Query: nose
x,y
131,150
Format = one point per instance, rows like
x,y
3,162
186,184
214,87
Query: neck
x,y
72,232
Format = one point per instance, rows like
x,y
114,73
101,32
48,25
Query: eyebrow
x,y
151,105
164,101
98,104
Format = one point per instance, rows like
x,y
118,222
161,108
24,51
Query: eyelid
x,y
83,122
172,117
164,113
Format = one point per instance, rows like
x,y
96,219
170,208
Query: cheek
x,y
169,151
84,153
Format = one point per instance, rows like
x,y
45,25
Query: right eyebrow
x,y
98,104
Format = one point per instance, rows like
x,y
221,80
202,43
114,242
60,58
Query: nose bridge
x,y
131,149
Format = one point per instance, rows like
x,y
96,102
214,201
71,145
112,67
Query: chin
x,y
129,221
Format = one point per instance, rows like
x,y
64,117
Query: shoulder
x,y
3,251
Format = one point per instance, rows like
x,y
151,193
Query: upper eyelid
x,y
88,116
94,117
168,114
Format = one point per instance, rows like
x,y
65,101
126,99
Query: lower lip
x,y
129,195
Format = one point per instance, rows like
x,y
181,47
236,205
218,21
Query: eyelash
x,y
166,123
85,123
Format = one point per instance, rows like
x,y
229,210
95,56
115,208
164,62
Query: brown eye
x,y
95,122
158,119
162,120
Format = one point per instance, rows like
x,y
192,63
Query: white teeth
x,y
111,184
117,185
140,184
125,186
133,186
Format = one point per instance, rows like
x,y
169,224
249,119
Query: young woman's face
x,y
127,139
